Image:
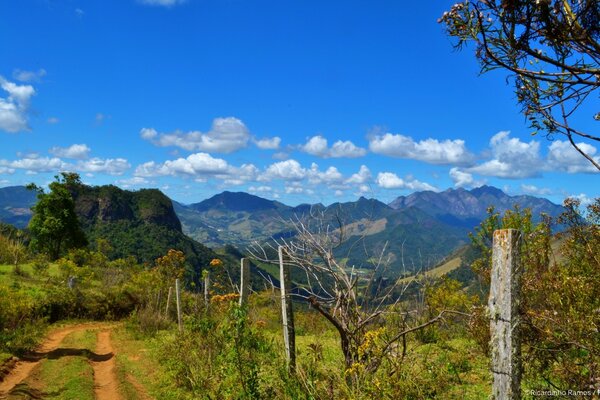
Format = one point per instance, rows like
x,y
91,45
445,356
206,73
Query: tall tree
x,y
552,48
54,226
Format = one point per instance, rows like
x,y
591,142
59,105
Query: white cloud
x,y
37,164
260,189
29,76
76,151
6,170
133,181
534,190
225,136
111,166
362,176
14,107
389,180
564,157
163,3
463,179
199,166
512,158
431,151
317,146
583,198
330,176
53,120
268,143
288,170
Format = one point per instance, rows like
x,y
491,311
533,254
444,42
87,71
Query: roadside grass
x,y
70,377
136,362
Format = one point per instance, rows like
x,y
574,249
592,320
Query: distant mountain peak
x,y
489,190
460,206
235,201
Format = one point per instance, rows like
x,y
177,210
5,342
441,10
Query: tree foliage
x,y
54,226
560,291
552,49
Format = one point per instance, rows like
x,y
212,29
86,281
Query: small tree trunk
x,y
287,313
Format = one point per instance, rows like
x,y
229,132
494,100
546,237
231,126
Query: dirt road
x,y
23,379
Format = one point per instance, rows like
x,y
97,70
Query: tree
x,y
357,304
560,292
54,225
552,49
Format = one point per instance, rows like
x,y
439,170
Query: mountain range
x,y
415,231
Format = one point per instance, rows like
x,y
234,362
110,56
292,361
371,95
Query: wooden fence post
x,y
168,301
244,281
206,288
504,301
178,296
287,313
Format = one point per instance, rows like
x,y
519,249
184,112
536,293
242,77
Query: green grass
x,y
70,377
436,272
135,358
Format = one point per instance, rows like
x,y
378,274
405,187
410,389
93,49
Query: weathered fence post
x,y
504,301
178,297
244,281
168,301
287,313
206,274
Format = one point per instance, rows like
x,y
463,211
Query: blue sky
x,y
300,101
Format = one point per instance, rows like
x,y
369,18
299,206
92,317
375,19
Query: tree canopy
x,y
54,225
552,49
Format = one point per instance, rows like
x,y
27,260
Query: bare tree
x,y
353,301
551,46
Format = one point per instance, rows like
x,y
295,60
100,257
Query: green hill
x,y
142,224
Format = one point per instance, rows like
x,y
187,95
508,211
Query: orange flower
x,y
215,262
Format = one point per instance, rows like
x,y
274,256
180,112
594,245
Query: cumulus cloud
x,y
268,143
511,158
431,151
317,146
111,166
564,157
15,106
35,164
29,76
389,180
362,176
75,151
288,170
225,136
199,166
463,179
329,176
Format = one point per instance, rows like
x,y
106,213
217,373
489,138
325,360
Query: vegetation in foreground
x,y
227,351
